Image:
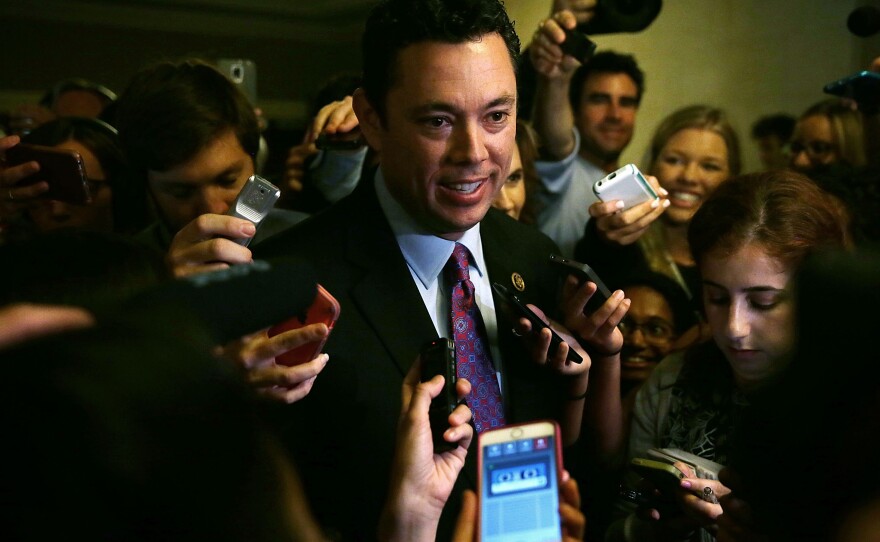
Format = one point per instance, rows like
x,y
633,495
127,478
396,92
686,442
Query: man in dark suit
x,y
439,105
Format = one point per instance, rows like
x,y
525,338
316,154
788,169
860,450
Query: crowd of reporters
x,y
144,408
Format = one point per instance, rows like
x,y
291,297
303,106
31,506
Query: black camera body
x,y
613,16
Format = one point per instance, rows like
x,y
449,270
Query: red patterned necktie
x,y
473,359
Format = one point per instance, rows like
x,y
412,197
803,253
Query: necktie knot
x,y
459,263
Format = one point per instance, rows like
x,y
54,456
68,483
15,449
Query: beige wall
x,y
750,57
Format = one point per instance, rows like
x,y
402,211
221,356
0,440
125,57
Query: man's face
x,y
449,130
206,183
606,115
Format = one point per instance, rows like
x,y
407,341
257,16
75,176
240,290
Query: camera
x,y
614,16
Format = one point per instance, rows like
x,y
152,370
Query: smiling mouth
x,y
687,198
464,188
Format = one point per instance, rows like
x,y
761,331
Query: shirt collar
x,y
424,252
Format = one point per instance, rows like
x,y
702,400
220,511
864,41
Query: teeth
x,y
685,196
464,187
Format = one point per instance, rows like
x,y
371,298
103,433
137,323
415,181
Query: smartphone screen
x,y
519,483
324,309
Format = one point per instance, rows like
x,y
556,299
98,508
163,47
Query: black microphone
x,y
232,302
864,21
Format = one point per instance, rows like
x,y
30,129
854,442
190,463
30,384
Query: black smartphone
x,y
344,142
438,358
62,169
516,309
577,44
665,504
863,87
665,476
584,273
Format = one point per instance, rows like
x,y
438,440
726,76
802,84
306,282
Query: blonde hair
x,y
846,128
702,117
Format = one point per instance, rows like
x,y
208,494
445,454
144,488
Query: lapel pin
x,y
518,281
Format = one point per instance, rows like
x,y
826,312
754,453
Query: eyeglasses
x,y
654,330
814,149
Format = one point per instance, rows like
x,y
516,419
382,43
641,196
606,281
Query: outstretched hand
x,y
256,353
625,227
421,480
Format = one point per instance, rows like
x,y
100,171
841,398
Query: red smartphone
x,y
63,169
519,470
324,309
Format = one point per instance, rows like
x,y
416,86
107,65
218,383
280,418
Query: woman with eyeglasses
x,y
829,132
748,240
658,315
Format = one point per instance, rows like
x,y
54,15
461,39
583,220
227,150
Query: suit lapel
x,y
386,294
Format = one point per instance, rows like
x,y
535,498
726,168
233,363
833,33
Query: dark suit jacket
x,y
342,435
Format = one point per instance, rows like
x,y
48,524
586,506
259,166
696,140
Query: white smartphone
x,y
243,73
256,199
518,485
626,184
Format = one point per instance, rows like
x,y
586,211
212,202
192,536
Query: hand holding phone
x,y
324,309
256,199
627,184
438,358
664,476
577,45
519,470
341,141
62,169
584,273
863,87
516,309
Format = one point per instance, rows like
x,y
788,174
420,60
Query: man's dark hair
x,y
396,24
169,112
606,62
781,125
172,110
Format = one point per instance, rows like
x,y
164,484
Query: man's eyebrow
x,y
233,169
508,100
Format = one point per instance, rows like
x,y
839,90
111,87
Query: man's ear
x,y
368,118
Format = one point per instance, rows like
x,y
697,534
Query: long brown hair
x,y
783,211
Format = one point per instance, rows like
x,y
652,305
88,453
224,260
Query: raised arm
x,y
553,118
